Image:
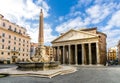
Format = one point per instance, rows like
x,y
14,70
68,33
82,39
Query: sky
x,y
63,15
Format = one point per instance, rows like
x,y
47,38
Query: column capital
x,y
76,44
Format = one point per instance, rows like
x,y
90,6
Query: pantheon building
x,y
80,47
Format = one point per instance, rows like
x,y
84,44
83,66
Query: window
x,y
9,47
2,46
9,36
9,42
19,39
8,53
3,24
19,31
14,42
3,40
14,38
15,30
10,27
19,49
23,40
3,34
14,48
2,53
19,43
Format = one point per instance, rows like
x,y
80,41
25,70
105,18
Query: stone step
x,y
68,71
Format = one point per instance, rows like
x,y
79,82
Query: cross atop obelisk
x,y
41,30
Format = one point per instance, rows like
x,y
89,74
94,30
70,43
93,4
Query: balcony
x,y
10,29
14,51
15,31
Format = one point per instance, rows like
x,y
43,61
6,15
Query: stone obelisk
x,y
41,30
40,55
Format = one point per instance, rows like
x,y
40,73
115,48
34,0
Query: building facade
x,y
14,42
80,47
49,51
112,54
118,50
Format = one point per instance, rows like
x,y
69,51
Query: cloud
x,y
22,8
70,24
115,20
80,4
112,29
33,32
98,13
48,34
105,15
24,13
61,18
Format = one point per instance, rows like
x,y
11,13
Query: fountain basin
x,y
25,66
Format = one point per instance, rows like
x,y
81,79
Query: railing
x,y
14,31
16,51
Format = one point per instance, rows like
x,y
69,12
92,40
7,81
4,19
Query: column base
x,y
83,65
76,64
99,65
69,64
90,65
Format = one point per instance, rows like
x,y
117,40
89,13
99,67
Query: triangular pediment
x,y
74,35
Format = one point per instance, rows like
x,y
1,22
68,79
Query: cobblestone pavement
x,y
83,75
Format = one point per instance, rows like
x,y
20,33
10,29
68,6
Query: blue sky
x,y
63,15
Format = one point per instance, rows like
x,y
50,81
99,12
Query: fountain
x,y
39,65
40,60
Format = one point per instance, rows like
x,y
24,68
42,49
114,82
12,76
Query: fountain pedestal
x,y
35,66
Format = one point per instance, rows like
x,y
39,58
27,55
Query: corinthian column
x,y
63,54
90,58
97,53
76,57
58,58
69,54
83,54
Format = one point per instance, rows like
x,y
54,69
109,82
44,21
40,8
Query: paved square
x,y
83,75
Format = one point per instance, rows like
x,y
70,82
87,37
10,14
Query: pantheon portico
x,y
80,47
